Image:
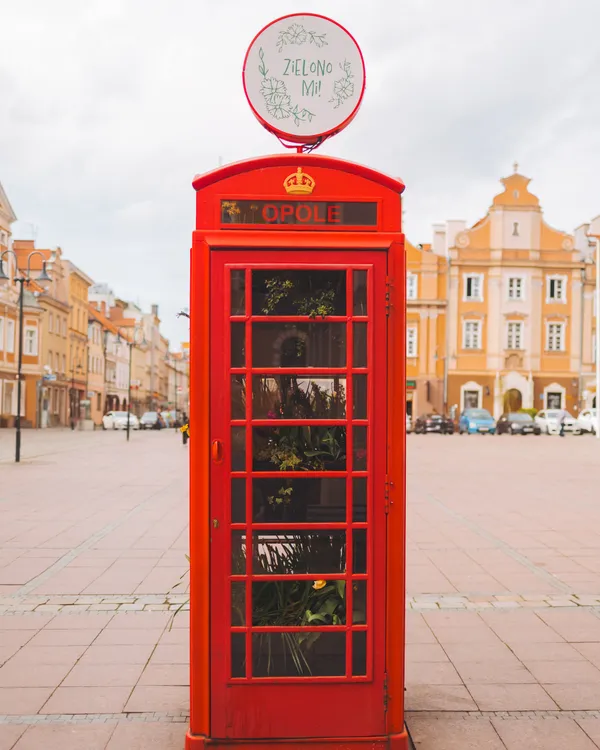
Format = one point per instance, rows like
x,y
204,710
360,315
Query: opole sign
x,y
304,77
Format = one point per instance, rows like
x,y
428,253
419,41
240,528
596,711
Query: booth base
x,y
392,742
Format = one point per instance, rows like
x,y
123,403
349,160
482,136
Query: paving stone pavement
x,y
503,620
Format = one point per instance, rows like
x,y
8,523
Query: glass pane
x,y
310,500
238,500
359,449
238,654
298,603
359,602
359,357
359,499
238,397
299,345
359,396
238,553
297,397
360,292
359,653
280,552
238,344
299,654
305,448
238,603
238,292
359,551
314,293
238,448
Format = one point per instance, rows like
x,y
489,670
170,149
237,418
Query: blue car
x,y
476,420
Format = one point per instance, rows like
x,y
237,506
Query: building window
x,y
474,287
514,338
31,342
10,336
515,287
411,341
472,334
50,360
555,337
471,400
1,334
411,286
50,323
556,289
64,363
554,400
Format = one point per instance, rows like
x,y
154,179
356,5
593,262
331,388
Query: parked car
x,y
476,421
117,420
517,423
434,423
548,422
152,420
587,420
408,424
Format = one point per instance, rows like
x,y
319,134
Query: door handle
x,y
217,451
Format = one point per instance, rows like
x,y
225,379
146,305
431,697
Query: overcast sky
x,y
108,108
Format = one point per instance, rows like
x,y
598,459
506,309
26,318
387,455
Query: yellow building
x,y
425,330
78,285
515,312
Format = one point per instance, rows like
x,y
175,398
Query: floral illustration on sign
x,y
343,88
278,101
297,34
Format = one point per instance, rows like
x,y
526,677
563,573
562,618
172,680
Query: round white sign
x,y
304,77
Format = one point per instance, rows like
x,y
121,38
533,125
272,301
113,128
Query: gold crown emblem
x,y
299,183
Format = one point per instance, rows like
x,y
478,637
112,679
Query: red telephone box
x,y
297,506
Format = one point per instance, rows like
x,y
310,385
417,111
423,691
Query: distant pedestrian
x,y
185,429
562,418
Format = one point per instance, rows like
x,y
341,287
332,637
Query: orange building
x,y
517,336
9,336
425,330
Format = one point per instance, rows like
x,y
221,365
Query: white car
x,y
117,420
587,420
548,422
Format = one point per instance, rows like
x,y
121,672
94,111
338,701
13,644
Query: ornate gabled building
x,y
517,337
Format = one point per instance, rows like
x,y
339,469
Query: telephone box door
x,y
298,473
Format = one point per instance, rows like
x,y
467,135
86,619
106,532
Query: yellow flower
x,y
319,585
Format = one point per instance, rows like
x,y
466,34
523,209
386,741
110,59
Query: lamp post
x,y
75,368
131,342
594,231
21,278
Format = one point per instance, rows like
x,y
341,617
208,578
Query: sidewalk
x,y
503,641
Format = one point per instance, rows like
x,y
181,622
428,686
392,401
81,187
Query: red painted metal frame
x,y
293,137
264,176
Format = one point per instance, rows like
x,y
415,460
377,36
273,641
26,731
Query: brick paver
x,y
503,621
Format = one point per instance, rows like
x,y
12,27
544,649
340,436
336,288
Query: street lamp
x,y
21,278
594,231
75,368
131,342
